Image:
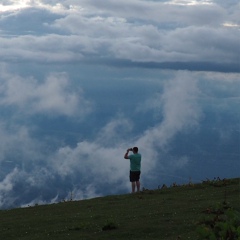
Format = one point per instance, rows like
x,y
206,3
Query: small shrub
x,y
110,225
223,224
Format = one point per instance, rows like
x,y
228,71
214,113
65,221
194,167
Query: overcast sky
x,y
82,81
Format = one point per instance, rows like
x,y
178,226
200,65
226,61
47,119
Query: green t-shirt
x,y
135,162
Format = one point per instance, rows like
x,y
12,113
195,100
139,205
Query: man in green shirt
x,y
135,167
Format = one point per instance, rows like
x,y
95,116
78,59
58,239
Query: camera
x,y
130,149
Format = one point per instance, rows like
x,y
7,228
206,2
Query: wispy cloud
x,y
53,95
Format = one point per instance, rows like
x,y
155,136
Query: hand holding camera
x,y
130,149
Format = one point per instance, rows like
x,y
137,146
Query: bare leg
x,y
133,187
138,186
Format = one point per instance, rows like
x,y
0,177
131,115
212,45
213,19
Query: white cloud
x,y
43,49
114,131
16,143
102,162
52,96
6,186
180,111
158,11
113,30
90,165
180,103
16,5
7,183
13,5
192,2
93,162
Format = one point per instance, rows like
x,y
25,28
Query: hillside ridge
x,y
167,213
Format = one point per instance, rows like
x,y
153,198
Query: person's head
x,y
135,150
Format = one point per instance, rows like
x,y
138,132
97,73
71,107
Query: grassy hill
x,y
168,213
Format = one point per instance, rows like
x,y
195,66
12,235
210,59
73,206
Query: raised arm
x,y
126,154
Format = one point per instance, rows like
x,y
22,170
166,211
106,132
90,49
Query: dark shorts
x,y
134,176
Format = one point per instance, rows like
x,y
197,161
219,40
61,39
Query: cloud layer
x,y
144,32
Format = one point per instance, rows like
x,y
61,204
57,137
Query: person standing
x,y
135,167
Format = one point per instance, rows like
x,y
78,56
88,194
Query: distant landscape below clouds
x,y
82,81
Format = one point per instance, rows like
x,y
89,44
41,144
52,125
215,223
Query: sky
x,y
82,81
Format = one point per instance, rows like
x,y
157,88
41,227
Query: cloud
x,y
180,111
103,161
15,143
6,185
114,132
99,163
41,176
99,32
53,95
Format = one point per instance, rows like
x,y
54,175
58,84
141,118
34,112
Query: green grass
x,y
169,213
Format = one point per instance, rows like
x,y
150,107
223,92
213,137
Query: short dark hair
x,y
135,149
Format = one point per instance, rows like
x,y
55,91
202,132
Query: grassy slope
x,y
158,214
